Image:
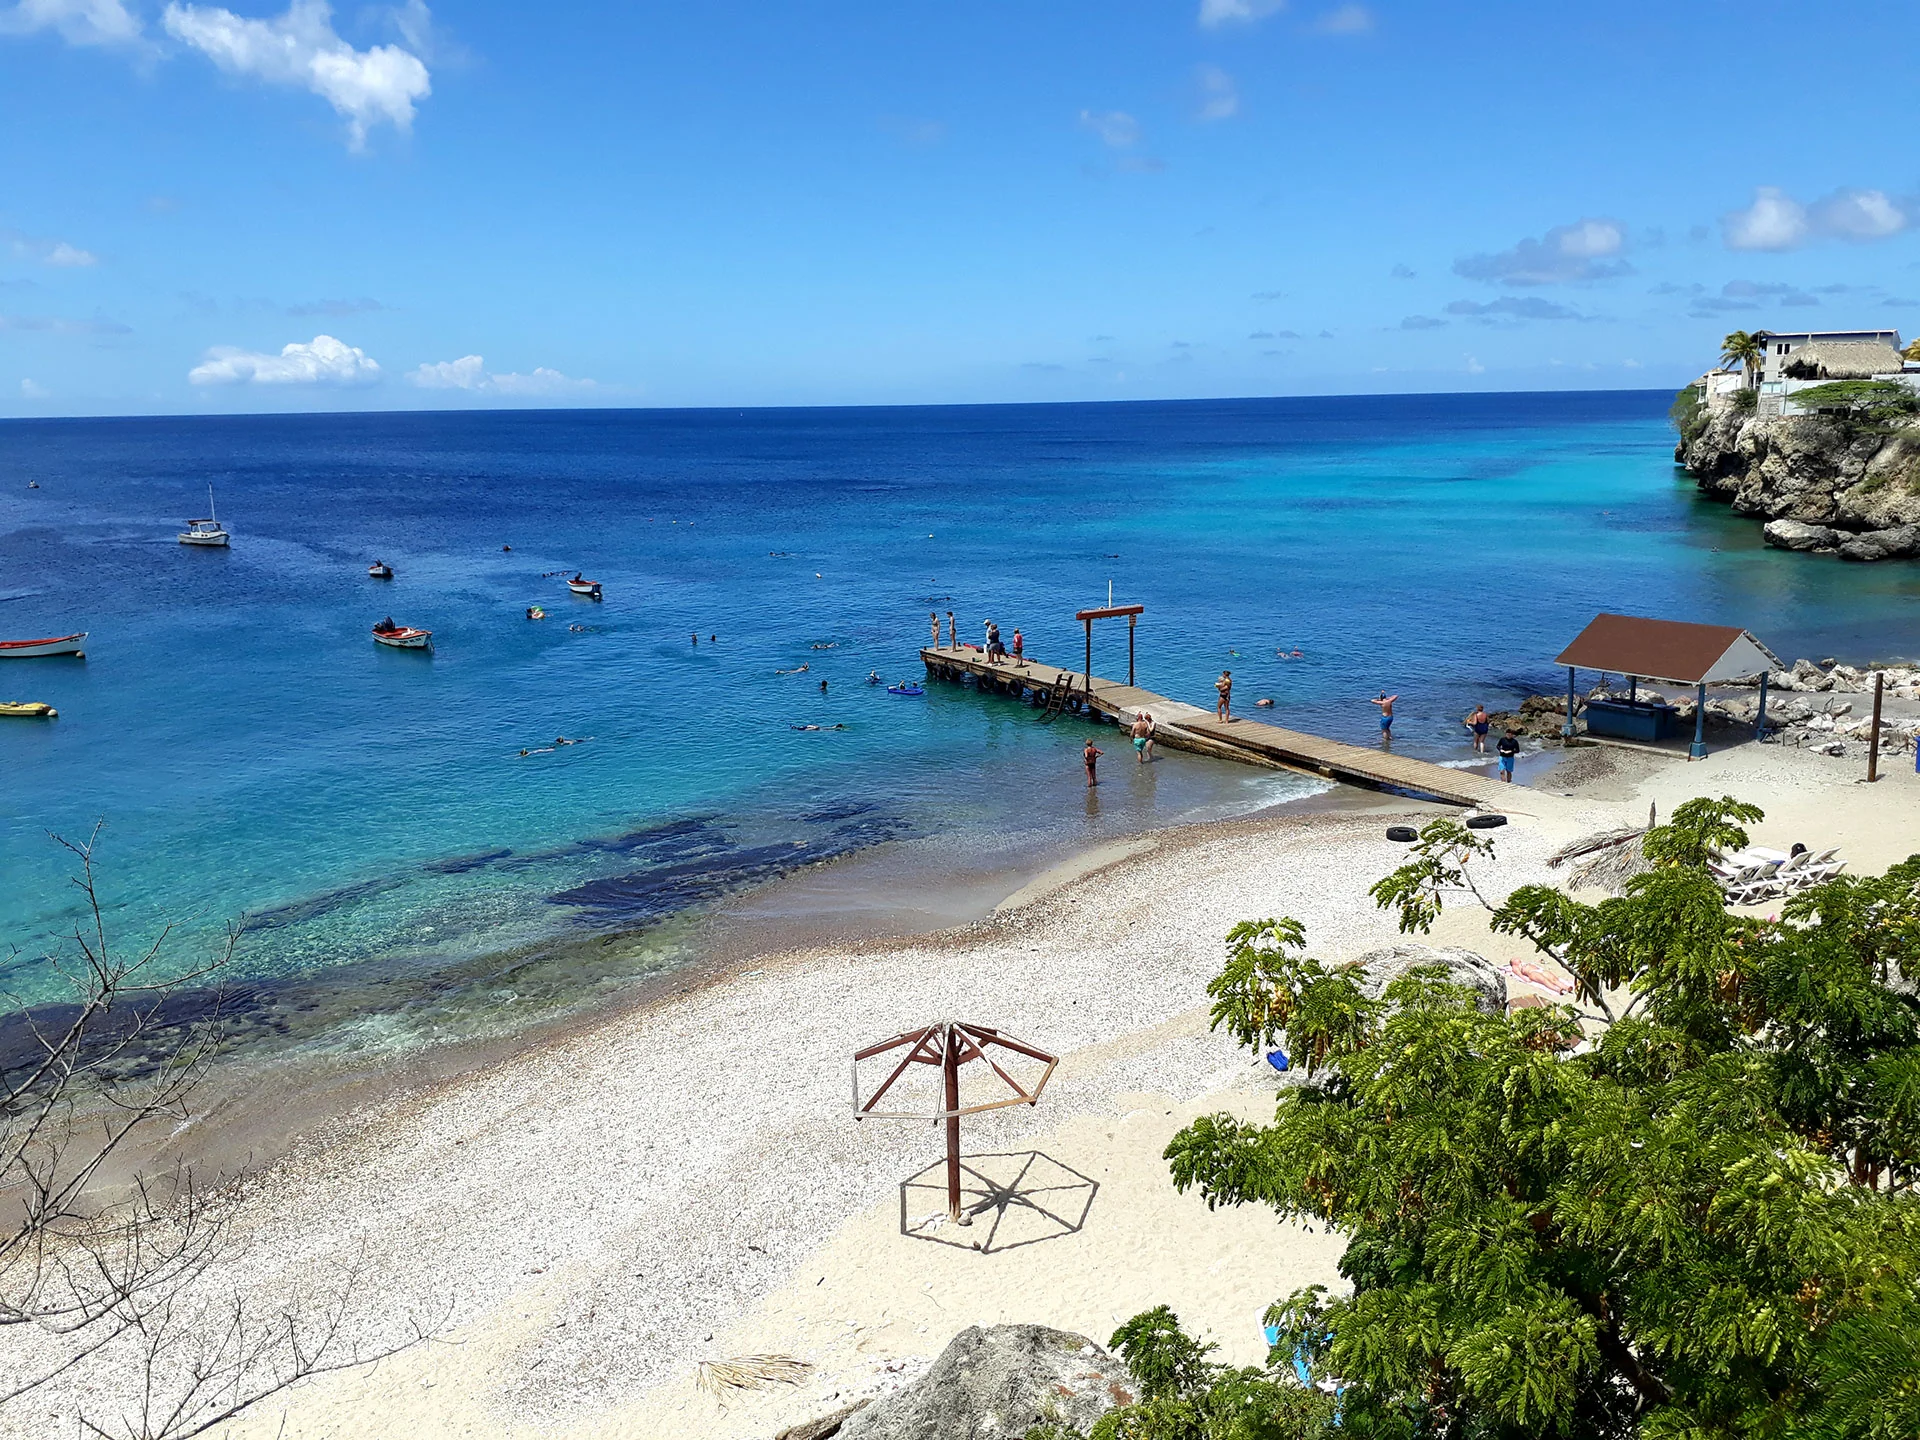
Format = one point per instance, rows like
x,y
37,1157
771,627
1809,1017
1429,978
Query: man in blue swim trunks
x,y
1509,748
1385,702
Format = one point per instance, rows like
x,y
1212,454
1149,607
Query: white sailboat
x,y
207,531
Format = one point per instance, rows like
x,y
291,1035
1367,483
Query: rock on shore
x,y
997,1382
1824,486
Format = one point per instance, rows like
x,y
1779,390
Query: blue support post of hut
x,y
1760,720
1672,651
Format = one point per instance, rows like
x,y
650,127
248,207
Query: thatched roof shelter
x,y
1843,360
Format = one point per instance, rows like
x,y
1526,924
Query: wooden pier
x,y
1179,726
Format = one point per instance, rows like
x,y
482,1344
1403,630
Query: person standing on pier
x,y
934,617
1019,647
1092,756
1224,685
953,632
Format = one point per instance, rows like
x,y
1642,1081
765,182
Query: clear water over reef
x,y
252,751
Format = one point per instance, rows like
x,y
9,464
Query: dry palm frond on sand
x,y
751,1372
1607,860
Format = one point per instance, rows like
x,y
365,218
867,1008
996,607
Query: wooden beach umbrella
x,y
949,1044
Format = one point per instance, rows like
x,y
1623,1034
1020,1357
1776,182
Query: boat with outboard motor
x,y
402,637
28,709
588,588
379,570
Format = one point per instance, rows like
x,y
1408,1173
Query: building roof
x,y
1847,359
1893,336
1676,651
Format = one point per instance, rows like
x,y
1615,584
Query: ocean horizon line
x,y
846,407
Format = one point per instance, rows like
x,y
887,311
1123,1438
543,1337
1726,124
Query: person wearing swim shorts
x,y
1509,748
1224,685
934,617
1019,647
1142,735
1478,723
1385,702
1092,756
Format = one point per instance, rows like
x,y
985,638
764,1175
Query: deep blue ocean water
x,y
253,752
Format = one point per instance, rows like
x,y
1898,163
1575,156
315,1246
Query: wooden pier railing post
x,y
1873,737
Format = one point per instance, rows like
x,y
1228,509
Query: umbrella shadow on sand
x,y
1006,1200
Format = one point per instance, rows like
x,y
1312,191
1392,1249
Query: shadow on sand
x,y
1030,1196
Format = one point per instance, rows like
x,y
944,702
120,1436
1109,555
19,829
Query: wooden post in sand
x,y
950,1063
1873,736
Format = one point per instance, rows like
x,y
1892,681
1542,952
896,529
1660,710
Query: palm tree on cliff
x,y
1743,350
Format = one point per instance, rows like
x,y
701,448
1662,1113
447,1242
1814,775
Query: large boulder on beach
x,y
1799,535
994,1383
1380,968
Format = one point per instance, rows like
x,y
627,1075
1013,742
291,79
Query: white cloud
x,y
1584,250
47,252
1219,96
1344,20
1215,13
1777,221
324,361
78,22
300,48
470,373
1116,127
33,390
1474,367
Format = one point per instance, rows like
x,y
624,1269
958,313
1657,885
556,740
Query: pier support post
x,y
1698,750
1760,720
1132,622
1089,680
1566,726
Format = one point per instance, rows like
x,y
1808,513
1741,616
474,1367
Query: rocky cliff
x,y
1822,484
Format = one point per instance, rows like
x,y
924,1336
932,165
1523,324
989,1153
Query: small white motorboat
x,y
207,531
28,710
53,645
380,570
588,588
402,637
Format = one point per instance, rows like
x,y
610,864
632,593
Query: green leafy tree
x,y
1687,411
1860,406
1680,1207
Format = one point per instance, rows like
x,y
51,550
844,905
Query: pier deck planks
x,y
1254,741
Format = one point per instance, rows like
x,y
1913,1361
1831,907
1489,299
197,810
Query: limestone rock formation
x,y
1860,483
995,1383
1798,535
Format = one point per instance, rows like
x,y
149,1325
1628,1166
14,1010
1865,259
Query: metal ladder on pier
x,y
1058,694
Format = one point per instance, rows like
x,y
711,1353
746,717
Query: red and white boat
x,y
53,645
589,588
402,637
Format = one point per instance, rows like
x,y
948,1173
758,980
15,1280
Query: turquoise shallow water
x,y
252,752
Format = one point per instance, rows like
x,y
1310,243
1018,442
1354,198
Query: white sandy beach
x,y
592,1220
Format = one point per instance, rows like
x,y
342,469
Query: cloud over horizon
x,y
1777,221
321,361
469,373
1565,255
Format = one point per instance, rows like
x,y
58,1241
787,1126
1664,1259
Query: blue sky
x,y
842,203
